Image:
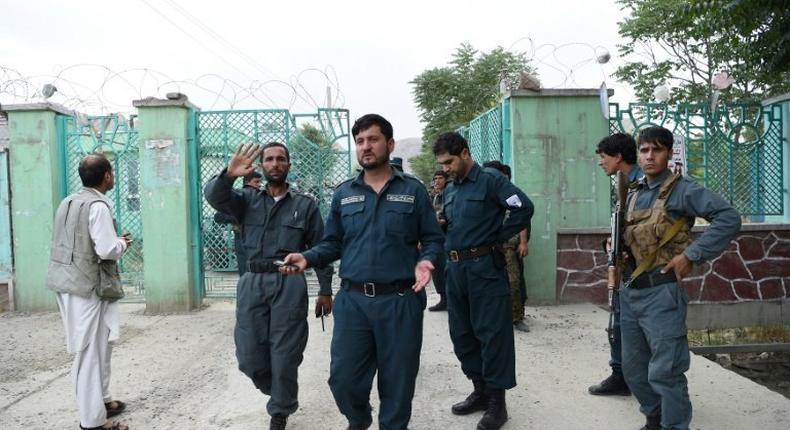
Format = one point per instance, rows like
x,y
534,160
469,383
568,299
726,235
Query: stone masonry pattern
x,y
756,266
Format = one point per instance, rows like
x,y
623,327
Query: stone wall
x,y
756,266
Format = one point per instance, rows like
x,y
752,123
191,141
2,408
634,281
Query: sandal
x,y
115,426
113,411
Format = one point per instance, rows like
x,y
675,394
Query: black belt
x,y
647,280
262,266
373,289
467,254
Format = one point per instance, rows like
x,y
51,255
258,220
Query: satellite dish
x,y
603,93
47,90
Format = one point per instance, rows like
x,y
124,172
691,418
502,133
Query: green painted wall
x,y
554,137
34,198
165,208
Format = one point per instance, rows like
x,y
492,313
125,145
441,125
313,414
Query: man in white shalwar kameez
x,y
90,322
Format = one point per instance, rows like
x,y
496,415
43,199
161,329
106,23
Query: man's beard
x,y
274,180
379,161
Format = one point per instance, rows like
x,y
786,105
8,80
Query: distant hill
x,y
407,148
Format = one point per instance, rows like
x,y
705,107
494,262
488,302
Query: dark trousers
x,y
656,352
271,335
440,275
479,308
615,336
376,334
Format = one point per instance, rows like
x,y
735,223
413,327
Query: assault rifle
x,y
615,250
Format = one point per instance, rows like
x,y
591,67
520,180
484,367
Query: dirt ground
x,y
179,371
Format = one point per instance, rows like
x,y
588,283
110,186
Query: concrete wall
x,y
165,206
755,267
34,165
554,135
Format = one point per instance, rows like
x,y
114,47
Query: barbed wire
x,y
96,89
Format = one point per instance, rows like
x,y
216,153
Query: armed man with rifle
x,y
661,211
617,157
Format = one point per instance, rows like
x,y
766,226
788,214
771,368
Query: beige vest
x,y
73,263
645,228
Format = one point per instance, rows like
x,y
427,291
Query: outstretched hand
x,y
243,160
422,274
294,263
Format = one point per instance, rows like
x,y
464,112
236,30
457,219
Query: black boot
x,y
278,422
477,401
359,426
614,385
441,306
496,413
652,423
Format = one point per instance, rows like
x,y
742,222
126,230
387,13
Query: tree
x,y
765,22
451,96
676,43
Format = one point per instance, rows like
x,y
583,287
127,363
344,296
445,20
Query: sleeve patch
x,y
513,201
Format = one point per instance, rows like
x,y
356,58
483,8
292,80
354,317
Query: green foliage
x,y
449,97
312,159
765,22
684,44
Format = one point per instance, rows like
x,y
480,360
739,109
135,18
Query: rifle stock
x,y
615,256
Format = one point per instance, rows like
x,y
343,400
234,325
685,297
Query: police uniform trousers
x,y
440,275
615,337
384,334
271,335
656,353
479,306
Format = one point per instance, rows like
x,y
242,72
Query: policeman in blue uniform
x,y
617,153
375,224
478,292
661,211
271,309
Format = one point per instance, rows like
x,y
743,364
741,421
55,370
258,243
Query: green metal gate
x,y
318,163
116,138
735,150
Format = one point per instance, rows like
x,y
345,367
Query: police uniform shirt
x,y
475,209
271,229
376,235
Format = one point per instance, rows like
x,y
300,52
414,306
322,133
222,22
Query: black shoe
x,y
278,422
441,306
359,426
652,423
496,412
477,401
614,385
521,326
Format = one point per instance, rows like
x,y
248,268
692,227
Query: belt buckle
x,y
372,290
454,257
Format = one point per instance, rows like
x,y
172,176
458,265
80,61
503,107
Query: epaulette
x,y
413,177
491,170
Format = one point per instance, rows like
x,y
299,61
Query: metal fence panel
x,y
316,168
735,150
116,138
485,136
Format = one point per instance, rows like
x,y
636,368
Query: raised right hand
x,y
243,160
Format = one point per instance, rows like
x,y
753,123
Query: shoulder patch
x,y
352,199
402,198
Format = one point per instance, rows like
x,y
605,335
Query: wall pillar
x,y
34,164
167,195
554,137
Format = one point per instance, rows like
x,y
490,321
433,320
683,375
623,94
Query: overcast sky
x,y
374,48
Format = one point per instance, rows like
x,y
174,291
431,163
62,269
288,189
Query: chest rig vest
x,y
652,236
